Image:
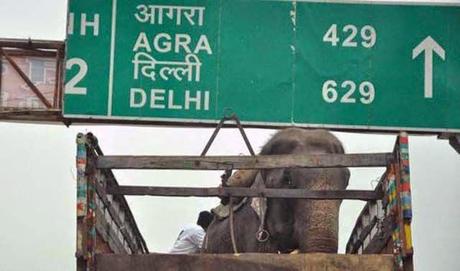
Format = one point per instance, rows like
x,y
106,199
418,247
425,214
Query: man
x,y
191,237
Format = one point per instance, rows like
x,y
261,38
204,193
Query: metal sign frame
x,y
377,125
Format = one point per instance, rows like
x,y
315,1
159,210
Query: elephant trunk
x,y
317,221
319,231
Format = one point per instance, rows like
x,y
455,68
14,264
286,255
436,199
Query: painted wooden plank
x,y
244,162
242,192
245,261
114,210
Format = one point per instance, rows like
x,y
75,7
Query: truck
x,y
109,239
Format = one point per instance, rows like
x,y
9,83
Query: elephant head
x,y
309,225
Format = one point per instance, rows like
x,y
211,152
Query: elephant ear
x,y
273,178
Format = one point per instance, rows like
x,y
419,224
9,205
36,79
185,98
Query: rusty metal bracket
x,y
228,116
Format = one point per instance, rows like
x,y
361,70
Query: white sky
x,y
37,175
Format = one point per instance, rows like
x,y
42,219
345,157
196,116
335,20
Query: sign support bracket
x,y
235,118
454,140
228,117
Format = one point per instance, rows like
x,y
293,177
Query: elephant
x,y
292,224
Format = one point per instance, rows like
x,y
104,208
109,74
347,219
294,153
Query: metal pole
x,y
243,134
454,142
1,75
213,136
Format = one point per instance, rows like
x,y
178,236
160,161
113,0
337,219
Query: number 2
x,y
347,97
348,42
70,87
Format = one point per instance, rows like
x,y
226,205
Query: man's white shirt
x,y
189,240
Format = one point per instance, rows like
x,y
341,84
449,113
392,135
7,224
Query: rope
x,y
232,230
262,234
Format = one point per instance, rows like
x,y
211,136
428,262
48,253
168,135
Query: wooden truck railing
x,y
383,227
105,223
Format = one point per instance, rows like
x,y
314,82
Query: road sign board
x,y
316,64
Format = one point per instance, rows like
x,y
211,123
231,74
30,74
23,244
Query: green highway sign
x,y
344,65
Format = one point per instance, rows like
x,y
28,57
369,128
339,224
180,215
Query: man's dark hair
x,y
204,219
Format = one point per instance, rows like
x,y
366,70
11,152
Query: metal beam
x,y
29,52
243,192
31,44
244,162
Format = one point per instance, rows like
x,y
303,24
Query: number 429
x,y
367,33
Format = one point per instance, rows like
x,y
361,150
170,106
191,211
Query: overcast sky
x,y
37,175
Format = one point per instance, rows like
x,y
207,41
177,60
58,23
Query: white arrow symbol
x,y
428,45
